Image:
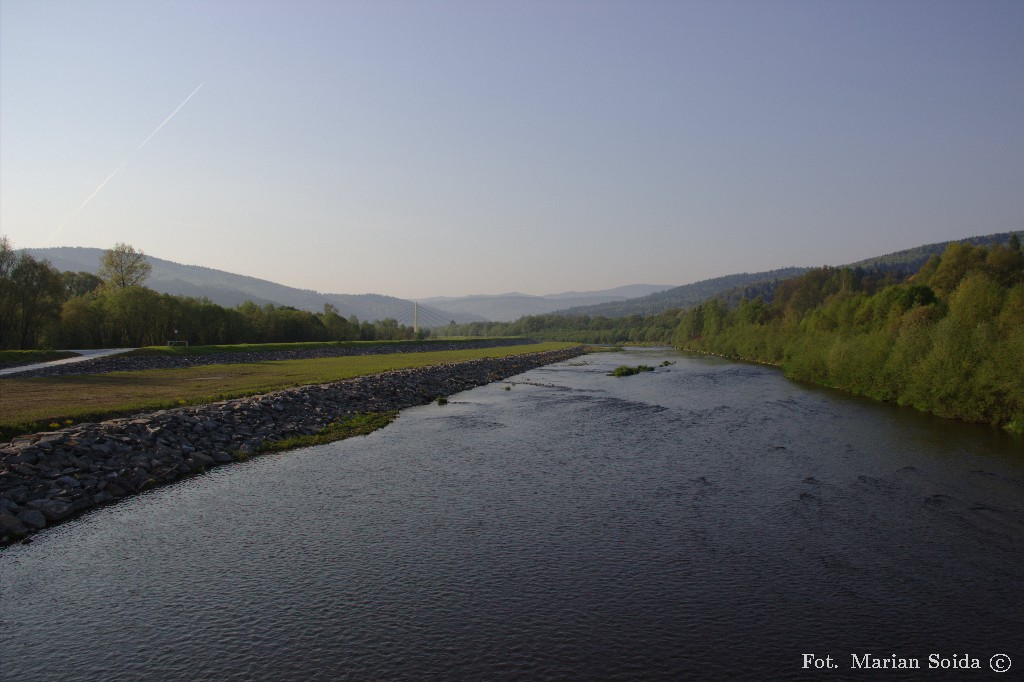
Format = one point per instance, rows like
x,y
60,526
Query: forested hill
x,y
910,261
733,288
684,296
229,290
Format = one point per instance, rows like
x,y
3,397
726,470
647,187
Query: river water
x,y
708,520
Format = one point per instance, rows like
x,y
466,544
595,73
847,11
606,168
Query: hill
x,y
910,260
228,289
683,296
512,306
734,287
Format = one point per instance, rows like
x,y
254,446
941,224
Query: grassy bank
x,y
12,358
29,405
409,346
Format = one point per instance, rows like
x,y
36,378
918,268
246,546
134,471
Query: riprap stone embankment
x,y
48,477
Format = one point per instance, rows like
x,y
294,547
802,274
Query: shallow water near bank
x,y
706,520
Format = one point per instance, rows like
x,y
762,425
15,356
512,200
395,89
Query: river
x,y
708,520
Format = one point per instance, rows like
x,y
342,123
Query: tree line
x,y
41,307
597,329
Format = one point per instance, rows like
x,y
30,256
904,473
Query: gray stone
x,y
115,489
53,510
25,457
79,463
33,518
10,525
202,459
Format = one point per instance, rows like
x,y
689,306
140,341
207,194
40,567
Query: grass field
x,y
30,405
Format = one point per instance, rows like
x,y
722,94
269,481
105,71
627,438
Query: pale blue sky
x,y
444,148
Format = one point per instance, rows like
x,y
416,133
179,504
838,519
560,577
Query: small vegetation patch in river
x,y
356,425
626,370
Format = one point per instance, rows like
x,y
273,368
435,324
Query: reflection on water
x,y
707,520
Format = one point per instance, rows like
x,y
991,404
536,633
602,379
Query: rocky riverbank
x,y
48,477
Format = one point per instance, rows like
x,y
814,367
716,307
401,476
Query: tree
x,y
338,328
123,267
80,284
31,293
8,302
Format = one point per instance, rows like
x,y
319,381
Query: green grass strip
x,y
273,347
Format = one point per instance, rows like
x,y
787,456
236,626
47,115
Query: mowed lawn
x,y
28,405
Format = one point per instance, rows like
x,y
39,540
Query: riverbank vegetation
x,y
30,405
948,340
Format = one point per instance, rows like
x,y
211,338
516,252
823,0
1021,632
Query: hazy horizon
x,y
455,148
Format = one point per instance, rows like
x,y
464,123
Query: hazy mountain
x,y
512,306
228,289
682,296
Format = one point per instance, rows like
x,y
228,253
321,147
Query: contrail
x,y
96,191
167,119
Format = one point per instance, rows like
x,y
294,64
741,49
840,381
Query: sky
x,y
447,148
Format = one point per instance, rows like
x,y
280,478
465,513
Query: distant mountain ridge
x,y
228,289
683,296
512,306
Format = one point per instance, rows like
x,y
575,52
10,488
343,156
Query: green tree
x,y
8,307
35,294
31,292
337,327
81,322
122,267
80,284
